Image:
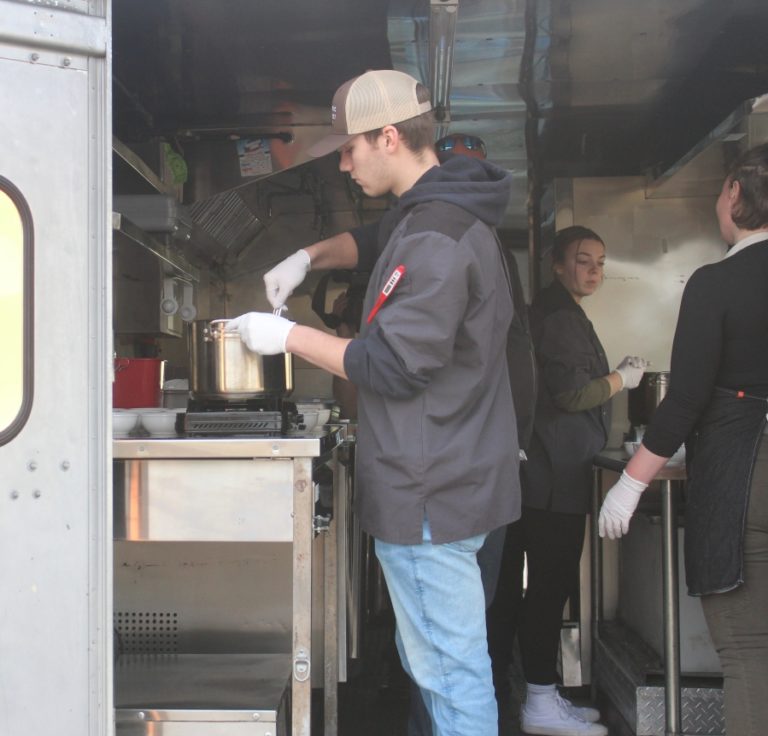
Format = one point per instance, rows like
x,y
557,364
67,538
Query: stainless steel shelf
x,y
141,168
202,691
314,444
123,227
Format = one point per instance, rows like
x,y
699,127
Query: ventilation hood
x,y
700,172
555,88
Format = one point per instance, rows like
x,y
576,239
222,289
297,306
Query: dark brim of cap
x,y
329,144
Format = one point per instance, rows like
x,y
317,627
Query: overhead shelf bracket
x,y
141,168
122,226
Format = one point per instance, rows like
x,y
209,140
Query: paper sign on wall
x,y
254,156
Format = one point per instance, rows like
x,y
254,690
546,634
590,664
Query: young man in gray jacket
x,y
436,443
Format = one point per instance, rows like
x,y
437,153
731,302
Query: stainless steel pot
x,y
221,367
644,399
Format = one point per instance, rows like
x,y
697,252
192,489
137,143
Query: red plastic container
x,y
138,382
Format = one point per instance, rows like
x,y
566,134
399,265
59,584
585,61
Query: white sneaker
x,y
558,717
590,715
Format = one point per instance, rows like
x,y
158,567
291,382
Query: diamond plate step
x,y
627,672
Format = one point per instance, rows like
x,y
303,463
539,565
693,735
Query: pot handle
x,y
213,331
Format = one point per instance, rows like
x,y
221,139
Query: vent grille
x,y
226,218
155,632
234,422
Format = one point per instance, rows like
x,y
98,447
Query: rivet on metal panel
x,y
66,61
141,715
14,495
36,493
301,486
275,449
34,57
31,466
65,465
256,716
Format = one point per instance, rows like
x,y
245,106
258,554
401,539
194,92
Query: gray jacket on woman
x,y
558,473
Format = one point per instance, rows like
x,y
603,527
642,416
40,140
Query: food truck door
x,y
55,302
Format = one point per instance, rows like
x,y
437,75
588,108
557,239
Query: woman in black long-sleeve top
x,y
570,427
716,403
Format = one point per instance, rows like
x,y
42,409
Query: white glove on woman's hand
x,y
619,505
631,370
262,333
285,277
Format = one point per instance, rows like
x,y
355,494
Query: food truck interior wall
x,y
585,102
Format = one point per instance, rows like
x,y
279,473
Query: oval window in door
x,y
15,310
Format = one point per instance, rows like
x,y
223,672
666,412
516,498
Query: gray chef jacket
x,y
437,432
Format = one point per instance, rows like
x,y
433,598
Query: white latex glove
x,y
619,505
631,370
285,277
262,333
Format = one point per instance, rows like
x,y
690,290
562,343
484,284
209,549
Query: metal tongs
x,y
277,312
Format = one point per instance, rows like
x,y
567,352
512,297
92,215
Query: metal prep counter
x,y
671,478
214,493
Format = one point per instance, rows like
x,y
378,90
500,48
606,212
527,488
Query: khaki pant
x,y
738,620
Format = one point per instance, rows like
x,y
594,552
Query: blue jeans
x,y
439,606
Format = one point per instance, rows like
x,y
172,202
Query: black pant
x,y
552,543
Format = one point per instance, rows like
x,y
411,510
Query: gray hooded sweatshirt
x,y
437,433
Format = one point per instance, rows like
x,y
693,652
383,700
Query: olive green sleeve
x,y
594,393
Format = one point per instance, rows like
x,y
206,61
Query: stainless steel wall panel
x,y
653,247
204,597
53,28
55,532
640,599
204,500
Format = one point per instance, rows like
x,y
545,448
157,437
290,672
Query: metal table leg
x,y
596,570
672,710
303,511
331,625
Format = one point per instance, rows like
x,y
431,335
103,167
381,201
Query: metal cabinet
x,y
226,585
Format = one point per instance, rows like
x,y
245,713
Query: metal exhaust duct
x,y
442,34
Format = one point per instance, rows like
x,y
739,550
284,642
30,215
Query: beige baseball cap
x,y
368,102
